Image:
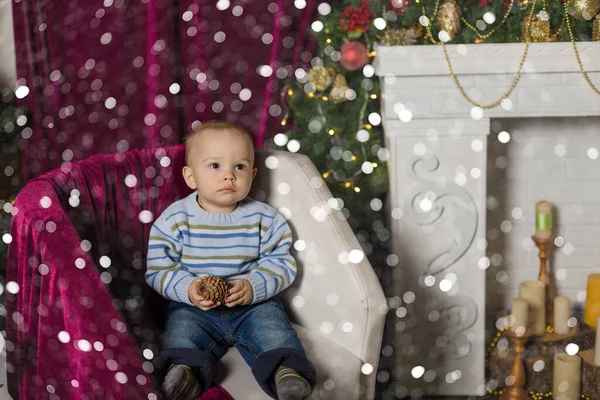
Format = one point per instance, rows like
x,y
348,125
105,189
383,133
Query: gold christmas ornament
x,y
596,29
213,288
523,4
540,28
448,18
416,30
320,77
399,37
583,10
338,92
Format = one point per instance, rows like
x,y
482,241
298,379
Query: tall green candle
x,y
543,219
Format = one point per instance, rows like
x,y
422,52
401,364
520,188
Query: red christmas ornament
x,y
357,18
353,55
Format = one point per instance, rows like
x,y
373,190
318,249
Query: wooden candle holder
x,y
517,390
540,349
543,244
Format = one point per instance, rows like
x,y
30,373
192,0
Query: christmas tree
x,y
333,116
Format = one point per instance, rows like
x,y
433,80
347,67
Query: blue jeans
x,y
261,333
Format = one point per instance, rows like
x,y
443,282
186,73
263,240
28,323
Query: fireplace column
x,y
437,204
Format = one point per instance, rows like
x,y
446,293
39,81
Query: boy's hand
x,y
240,293
198,300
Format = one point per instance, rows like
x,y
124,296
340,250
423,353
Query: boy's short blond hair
x,y
215,126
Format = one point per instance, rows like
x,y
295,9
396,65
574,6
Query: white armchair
x,y
335,306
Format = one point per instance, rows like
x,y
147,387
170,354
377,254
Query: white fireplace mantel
x,y
438,145
550,84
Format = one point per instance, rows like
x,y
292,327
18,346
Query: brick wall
x,y
555,159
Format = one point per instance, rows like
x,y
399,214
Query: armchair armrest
x,y
336,292
63,307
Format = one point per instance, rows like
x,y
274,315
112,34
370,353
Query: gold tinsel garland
x,y
400,37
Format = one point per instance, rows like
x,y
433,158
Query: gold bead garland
x,y
585,75
455,78
542,31
496,339
490,33
481,36
541,396
495,392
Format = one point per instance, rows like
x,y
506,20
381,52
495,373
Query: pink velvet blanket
x,y
82,323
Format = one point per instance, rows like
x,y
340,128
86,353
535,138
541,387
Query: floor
x,y
5,396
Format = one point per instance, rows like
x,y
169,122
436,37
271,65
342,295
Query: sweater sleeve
x,y
164,272
275,268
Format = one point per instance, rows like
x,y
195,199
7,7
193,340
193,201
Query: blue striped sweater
x,y
252,242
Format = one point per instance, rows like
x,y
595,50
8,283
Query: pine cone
x,y
213,288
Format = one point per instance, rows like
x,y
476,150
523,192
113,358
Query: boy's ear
x,y
254,171
189,177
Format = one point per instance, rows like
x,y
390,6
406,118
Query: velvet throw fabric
x,y
83,324
113,75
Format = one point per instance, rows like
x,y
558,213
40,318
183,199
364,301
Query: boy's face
x,y
220,168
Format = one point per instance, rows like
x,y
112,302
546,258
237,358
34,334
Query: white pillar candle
x,y
597,348
562,313
520,312
535,293
566,383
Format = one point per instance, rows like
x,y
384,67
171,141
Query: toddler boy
x,y
217,230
